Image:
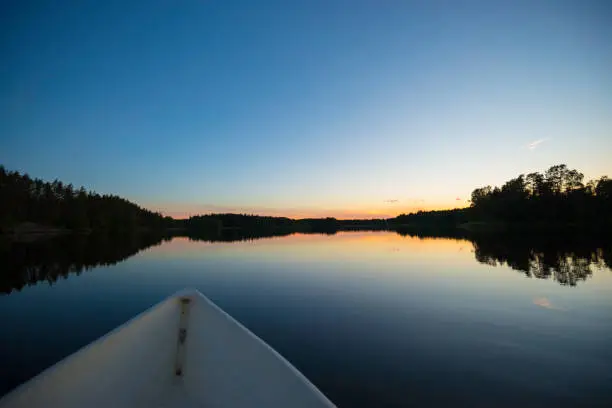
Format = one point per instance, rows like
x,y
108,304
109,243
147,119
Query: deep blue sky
x,y
303,108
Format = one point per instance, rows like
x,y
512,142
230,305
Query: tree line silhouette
x,y
26,199
431,220
55,204
556,198
559,195
119,228
262,224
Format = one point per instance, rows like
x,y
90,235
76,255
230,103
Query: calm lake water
x,y
374,319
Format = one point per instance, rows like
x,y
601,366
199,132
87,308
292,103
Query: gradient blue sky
x,y
302,108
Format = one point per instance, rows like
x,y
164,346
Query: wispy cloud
x,y
392,201
536,143
545,303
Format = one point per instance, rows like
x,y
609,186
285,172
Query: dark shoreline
x,y
465,230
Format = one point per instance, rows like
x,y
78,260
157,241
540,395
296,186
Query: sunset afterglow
x,y
305,110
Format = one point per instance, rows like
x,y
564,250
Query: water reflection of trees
x,y
236,234
27,263
568,258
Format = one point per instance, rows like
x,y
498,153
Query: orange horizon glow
x,y
184,211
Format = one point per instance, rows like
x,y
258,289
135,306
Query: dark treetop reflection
x,y
27,263
568,259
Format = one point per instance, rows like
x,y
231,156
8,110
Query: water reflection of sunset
x,y
381,244
373,252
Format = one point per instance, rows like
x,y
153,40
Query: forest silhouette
x,y
98,230
56,204
549,200
557,198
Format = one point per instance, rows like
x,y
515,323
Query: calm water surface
x,y
374,319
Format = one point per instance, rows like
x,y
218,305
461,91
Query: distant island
x,y
555,199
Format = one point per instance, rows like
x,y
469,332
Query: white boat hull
x,y
183,352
